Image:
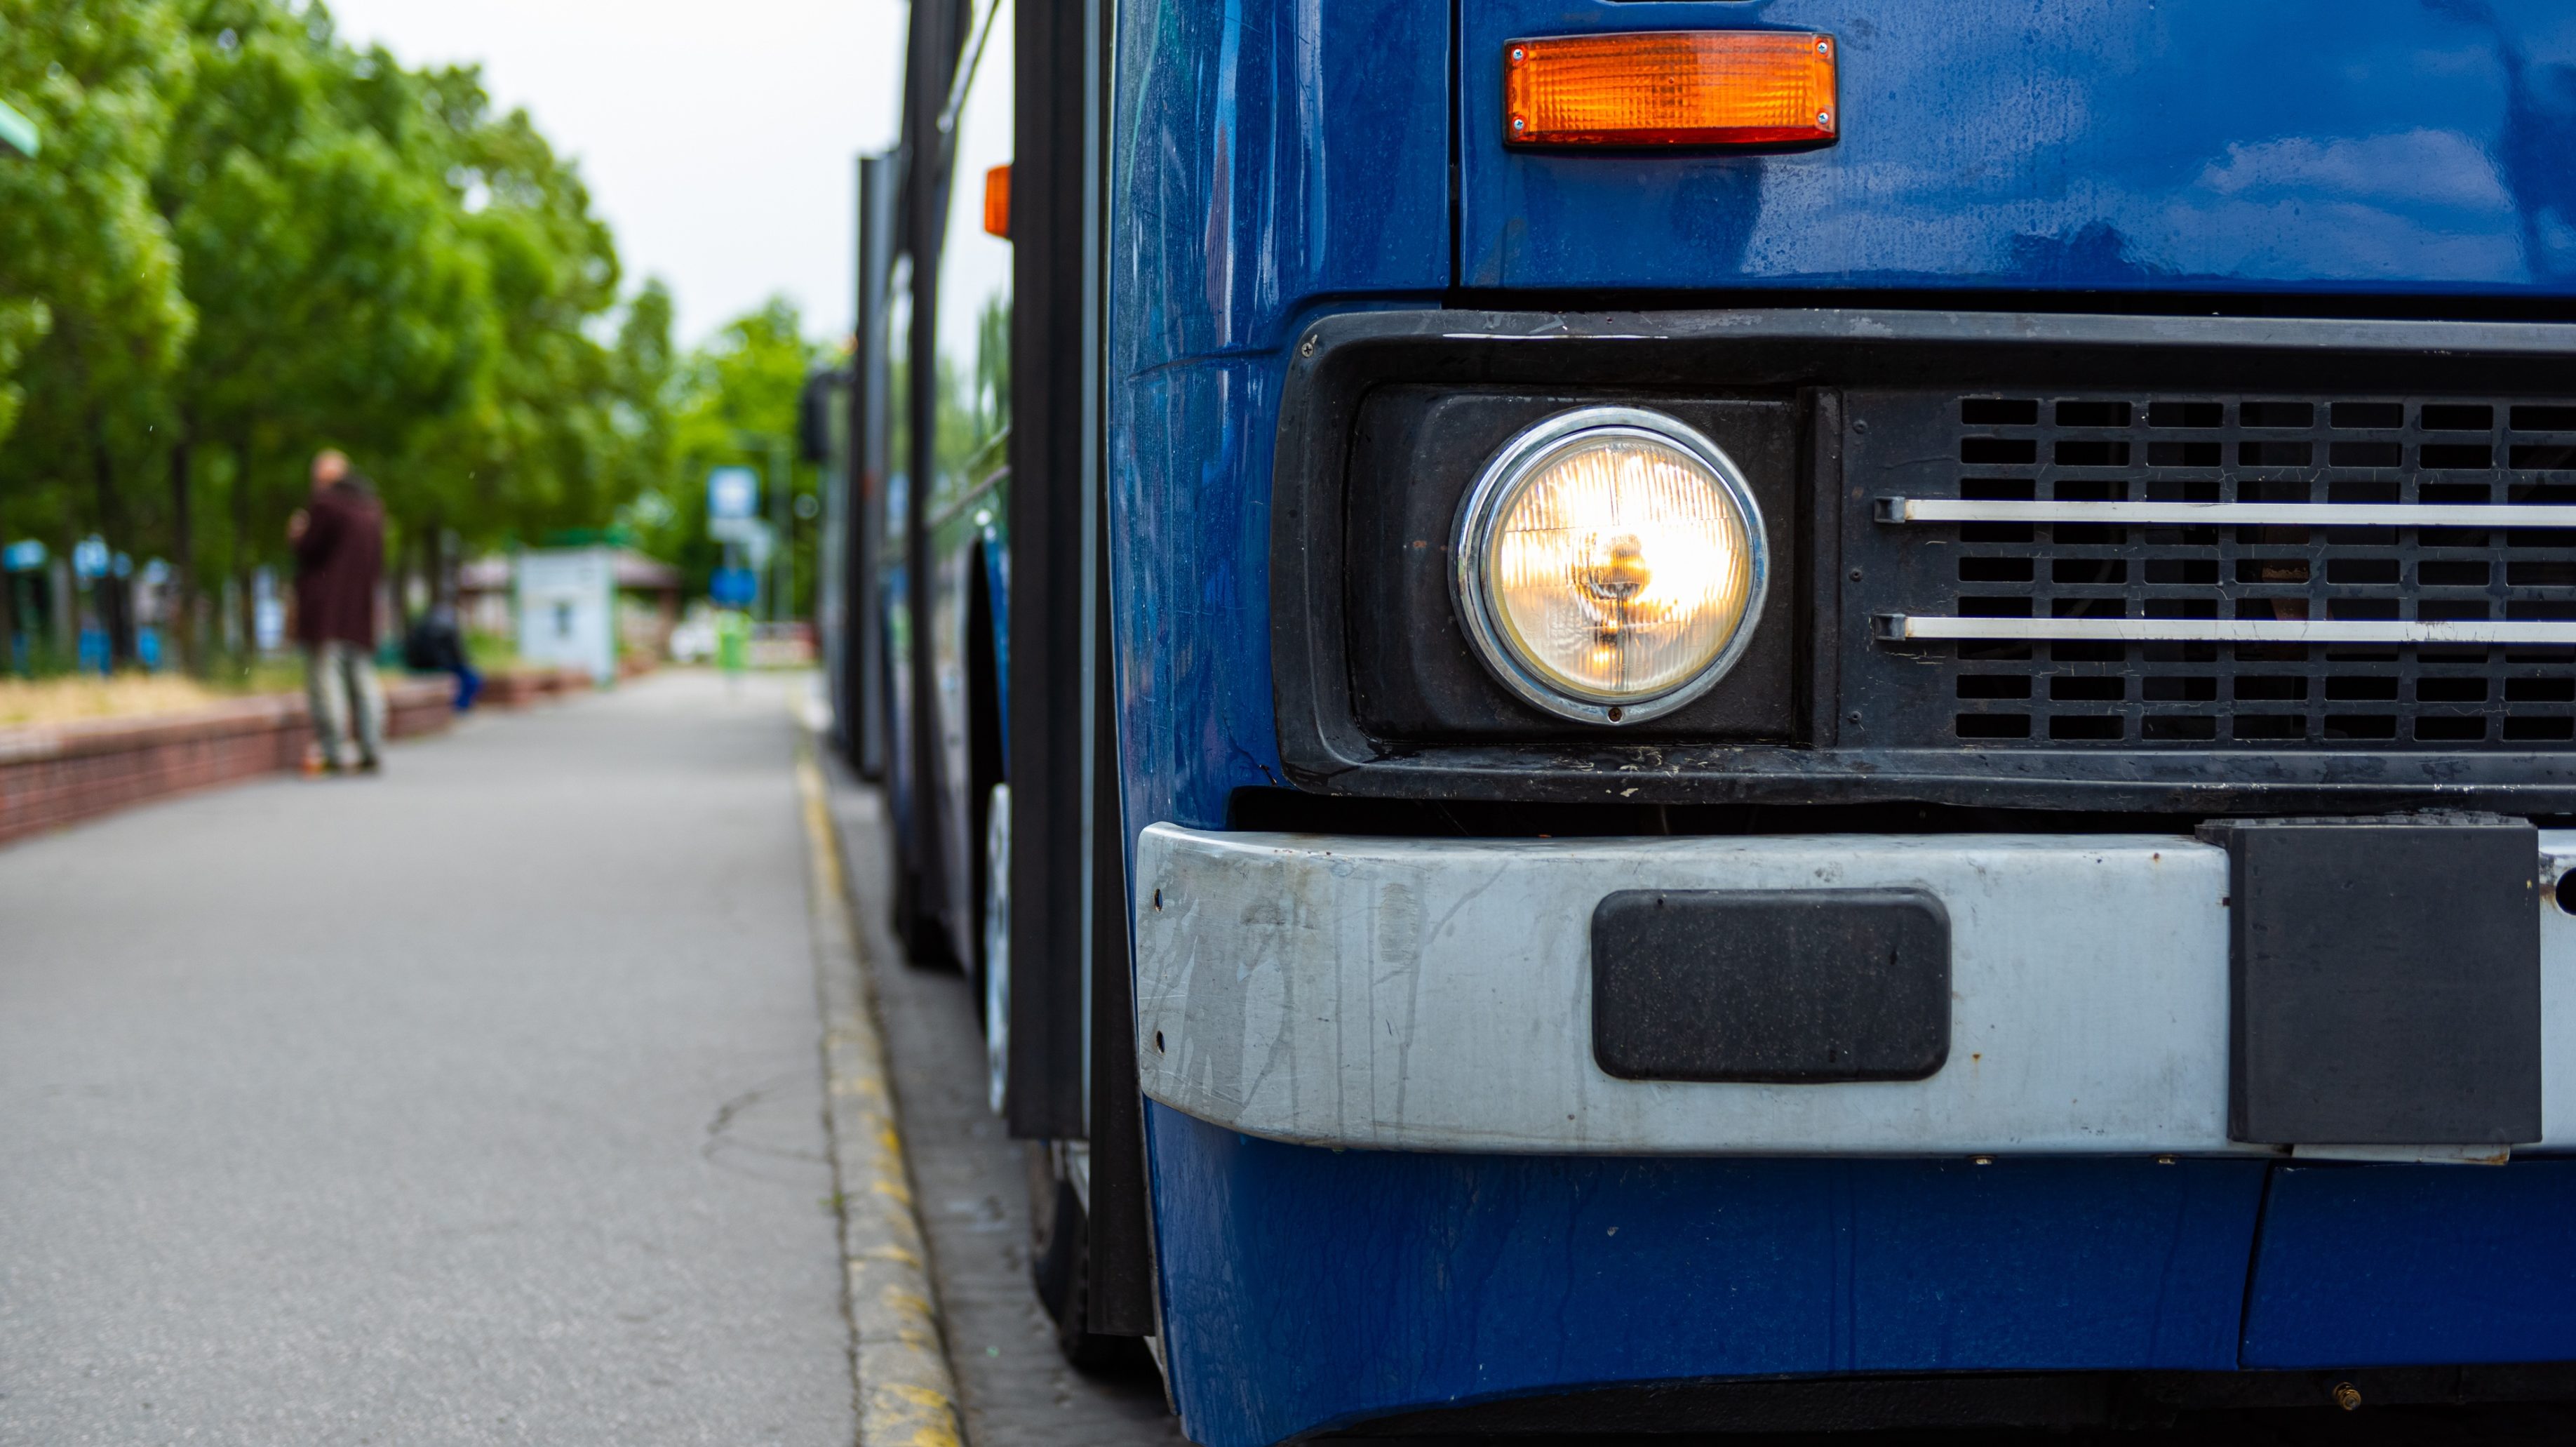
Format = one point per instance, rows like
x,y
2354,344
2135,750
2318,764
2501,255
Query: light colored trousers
x,y
340,678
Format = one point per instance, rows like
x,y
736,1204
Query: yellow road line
x,y
907,1396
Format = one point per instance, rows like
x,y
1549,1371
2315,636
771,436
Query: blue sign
x,y
733,587
90,557
23,557
732,492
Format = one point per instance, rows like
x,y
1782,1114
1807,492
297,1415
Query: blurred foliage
x,y
974,413
734,403
245,240
491,652
89,273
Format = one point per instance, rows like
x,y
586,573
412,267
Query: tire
x,y
997,948
1060,1260
924,939
915,926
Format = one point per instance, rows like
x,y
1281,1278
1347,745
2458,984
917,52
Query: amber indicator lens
x,y
997,202
1671,88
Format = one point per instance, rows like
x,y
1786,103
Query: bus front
x,y
1819,692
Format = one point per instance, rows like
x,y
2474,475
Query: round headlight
x,y
1610,564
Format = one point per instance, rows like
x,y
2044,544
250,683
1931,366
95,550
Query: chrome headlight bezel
x,y
1481,514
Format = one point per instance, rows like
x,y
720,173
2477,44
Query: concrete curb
x,y
907,1397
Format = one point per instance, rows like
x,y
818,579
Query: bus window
x,y
974,326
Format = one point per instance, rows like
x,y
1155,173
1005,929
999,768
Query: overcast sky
x,y
717,138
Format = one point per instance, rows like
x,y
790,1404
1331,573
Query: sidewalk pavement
x,y
474,1104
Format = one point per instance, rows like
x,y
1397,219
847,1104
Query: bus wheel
x,y
1061,1262
997,947
925,943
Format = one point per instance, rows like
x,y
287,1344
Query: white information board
x,y
568,609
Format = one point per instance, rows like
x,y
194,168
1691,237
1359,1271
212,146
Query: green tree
x,y
92,315
741,388
336,296
562,429
24,320
246,240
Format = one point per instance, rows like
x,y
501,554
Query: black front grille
x,y
2040,446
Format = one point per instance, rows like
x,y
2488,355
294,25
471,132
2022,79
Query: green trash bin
x,y
733,640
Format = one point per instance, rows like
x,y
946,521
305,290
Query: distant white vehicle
x,y
693,639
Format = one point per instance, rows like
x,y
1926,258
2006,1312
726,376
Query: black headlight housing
x,y
1415,678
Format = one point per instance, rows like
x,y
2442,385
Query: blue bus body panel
x,y
1270,156
996,541
1270,153
2201,145
1190,558
2372,1265
1305,1287
894,615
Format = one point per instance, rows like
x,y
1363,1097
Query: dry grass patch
x,y
68,700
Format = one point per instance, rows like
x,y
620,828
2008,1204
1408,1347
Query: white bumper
x,y
1436,995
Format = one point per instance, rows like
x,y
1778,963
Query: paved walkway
x,y
477,1103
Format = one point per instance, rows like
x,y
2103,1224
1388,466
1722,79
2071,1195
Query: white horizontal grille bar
x,y
2231,514
1896,627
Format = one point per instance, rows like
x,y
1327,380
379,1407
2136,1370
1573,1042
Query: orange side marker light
x,y
1671,88
997,201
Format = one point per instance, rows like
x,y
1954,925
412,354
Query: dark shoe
x,y
371,766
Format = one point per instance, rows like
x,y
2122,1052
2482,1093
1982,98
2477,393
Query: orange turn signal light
x,y
997,201
1670,88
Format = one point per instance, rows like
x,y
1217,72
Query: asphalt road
x,y
473,1104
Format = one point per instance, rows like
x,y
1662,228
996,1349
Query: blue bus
x,y
1683,715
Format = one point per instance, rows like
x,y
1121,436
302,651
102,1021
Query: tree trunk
x,y
415,576
427,556
8,610
181,607
112,523
247,600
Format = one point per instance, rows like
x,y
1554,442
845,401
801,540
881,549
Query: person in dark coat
x,y
339,541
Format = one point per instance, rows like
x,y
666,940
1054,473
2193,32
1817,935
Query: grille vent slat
x,y
2283,449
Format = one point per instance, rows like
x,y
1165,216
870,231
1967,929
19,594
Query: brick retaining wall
x,y
520,687
56,774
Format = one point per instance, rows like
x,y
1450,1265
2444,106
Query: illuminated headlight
x,y
1610,564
